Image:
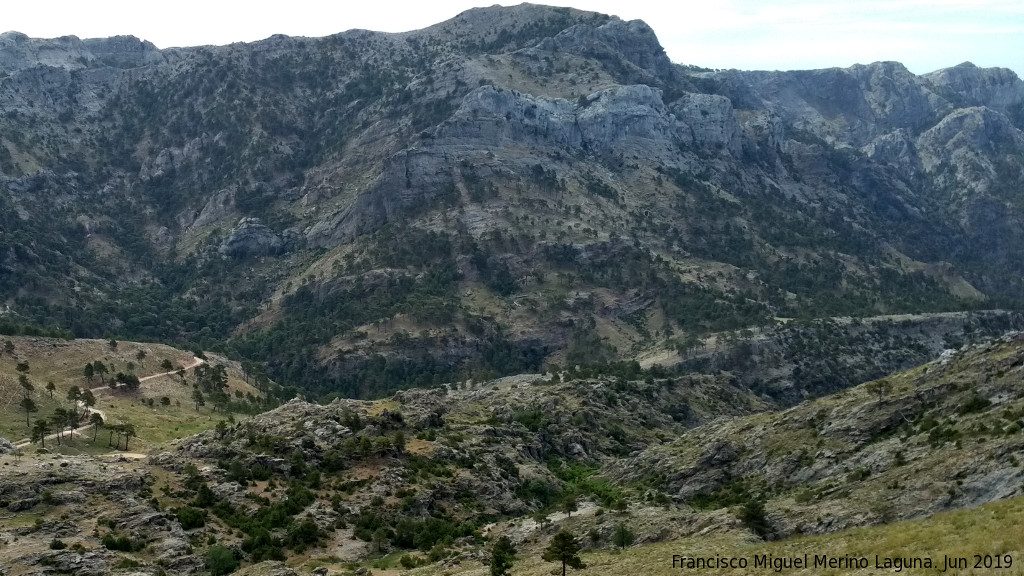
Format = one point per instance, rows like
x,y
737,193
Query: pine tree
x,y
88,399
30,406
59,419
96,420
564,548
129,432
74,395
569,506
623,536
503,553
99,368
40,430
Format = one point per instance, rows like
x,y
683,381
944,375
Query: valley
x,y
378,302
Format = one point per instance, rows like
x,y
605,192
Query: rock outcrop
x,y
251,238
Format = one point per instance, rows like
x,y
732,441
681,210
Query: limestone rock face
x,y
967,85
709,121
630,48
898,149
19,52
627,120
491,116
970,141
251,238
124,51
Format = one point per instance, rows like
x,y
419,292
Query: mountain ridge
x,y
537,146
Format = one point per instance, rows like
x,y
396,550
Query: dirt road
x,y
26,441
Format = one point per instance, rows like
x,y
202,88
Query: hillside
x,y
959,535
435,474
161,408
512,188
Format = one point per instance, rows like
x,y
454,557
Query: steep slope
x,y
513,187
944,435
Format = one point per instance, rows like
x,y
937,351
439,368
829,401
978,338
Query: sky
x,y
924,35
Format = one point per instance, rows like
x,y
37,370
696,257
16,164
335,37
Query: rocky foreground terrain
x,y
432,475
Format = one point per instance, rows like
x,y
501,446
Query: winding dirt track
x,y
27,441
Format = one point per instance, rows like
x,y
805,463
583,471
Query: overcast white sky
x,y
748,34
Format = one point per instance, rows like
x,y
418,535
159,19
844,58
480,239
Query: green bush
x,y
975,404
533,420
220,560
190,518
111,541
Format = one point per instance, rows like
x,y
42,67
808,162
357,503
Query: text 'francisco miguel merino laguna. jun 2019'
x,y
781,564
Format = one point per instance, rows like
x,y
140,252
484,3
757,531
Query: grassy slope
x,y
62,361
964,533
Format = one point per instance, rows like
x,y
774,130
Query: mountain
x,y
511,189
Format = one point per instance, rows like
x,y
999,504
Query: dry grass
x,y
990,529
62,361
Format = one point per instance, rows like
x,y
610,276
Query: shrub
x,y
112,541
408,562
220,560
975,404
190,518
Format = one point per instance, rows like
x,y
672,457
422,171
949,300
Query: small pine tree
x,y
564,548
221,560
753,517
30,406
623,536
96,420
40,430
569,506
503,554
